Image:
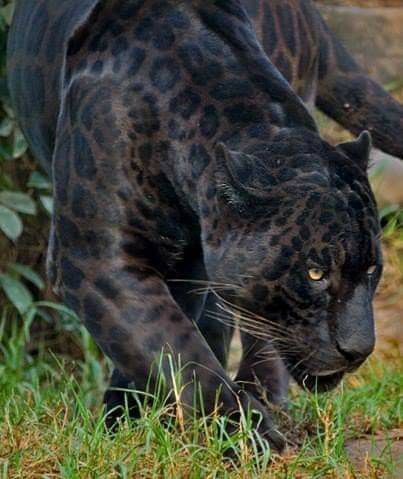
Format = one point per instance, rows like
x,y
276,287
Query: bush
x,y
25,208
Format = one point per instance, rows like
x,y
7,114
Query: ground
x,y
51,419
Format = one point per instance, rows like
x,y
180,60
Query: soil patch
x,y
388,445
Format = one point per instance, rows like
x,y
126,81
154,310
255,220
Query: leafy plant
x,y
391,219
25,193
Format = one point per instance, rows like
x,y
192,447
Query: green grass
x,y
51,425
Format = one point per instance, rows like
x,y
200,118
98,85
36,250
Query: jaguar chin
x,y
317,380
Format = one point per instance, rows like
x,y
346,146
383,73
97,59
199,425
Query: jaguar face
x,y
301,244
316,304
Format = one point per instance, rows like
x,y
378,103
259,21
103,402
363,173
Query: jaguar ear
x,y
359,149
234,174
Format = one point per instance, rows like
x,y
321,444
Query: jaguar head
x,y
298,236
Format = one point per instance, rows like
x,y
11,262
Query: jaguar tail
x,y
350,97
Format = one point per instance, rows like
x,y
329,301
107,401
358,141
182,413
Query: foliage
x,y
25,203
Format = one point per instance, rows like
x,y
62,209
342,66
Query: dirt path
x,y
391,444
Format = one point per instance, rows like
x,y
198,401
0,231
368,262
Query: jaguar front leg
x,y
262,371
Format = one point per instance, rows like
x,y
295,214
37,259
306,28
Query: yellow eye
x,y
316,274
372,269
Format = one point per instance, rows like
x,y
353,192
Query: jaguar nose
x,y
354,353
355,330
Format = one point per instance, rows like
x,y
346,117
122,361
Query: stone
x,y
373,35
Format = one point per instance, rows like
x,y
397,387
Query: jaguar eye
x,y
316,274
372,269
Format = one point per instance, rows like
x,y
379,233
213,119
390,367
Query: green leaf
x,y
16,292
5,152
27,273
10,223
60,308
387,210
17,201
4,96
47,202
7,12
394,85
6,181
39,181
43,315
20,145
390,228
6,127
